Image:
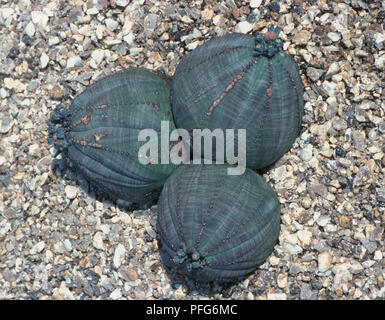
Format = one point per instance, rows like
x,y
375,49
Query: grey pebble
x,y
5,123
307,293
314,74
74,62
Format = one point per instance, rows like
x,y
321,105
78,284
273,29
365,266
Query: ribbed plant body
x,y
99,132
214,226
240,81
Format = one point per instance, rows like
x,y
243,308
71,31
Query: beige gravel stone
x,y
44,59
255,3
244,27
119,255
30,29
39,17
71,192
131,273
207,14
302,37
276,296
38,247
304,236
282,280
324,261
98,240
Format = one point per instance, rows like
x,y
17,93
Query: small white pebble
x,y
44,60
38,247
30,29
243,27
71,192
255,3
116,294
98,241
120,251
74,62
324,261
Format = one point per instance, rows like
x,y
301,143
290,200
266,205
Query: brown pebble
x,y
24,66
380,281
370,58
85,262
22,160
245,10
56,92
131,274
340,197
302,37
344,221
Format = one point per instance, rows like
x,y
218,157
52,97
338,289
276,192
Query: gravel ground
x,y
60,240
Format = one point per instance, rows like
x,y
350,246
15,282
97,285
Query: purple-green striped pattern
x,y
226,83
216,227
102,130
